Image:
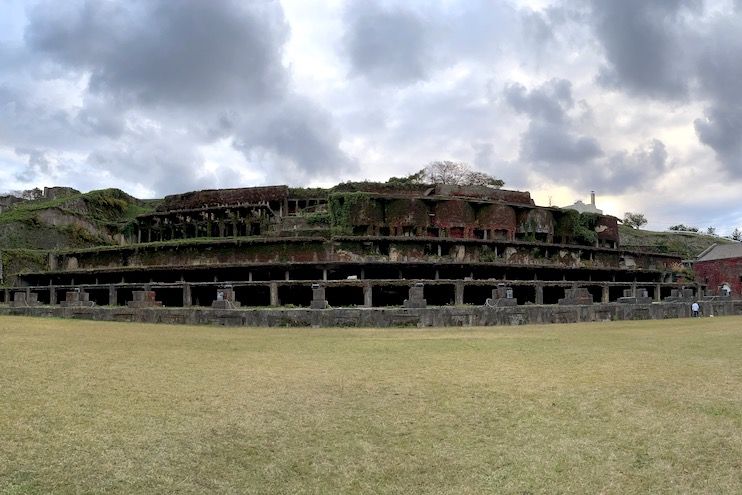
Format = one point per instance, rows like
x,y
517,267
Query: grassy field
x,y
633,407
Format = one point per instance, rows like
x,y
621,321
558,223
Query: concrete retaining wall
x,y
445,316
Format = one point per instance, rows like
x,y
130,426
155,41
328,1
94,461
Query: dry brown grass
x,y
635,407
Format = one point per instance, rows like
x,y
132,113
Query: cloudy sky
x,y
639,100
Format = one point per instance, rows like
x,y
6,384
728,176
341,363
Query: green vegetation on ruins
x,y
342,206
74,220
621,407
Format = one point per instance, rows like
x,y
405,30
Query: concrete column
x,y
606,294
52,295
658,292
274,294
539,294
7,296
437,275
324,274
363,274
249,276
368,296
186,295
287,275
459,295
112,296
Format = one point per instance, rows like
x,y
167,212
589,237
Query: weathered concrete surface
x,y
445,316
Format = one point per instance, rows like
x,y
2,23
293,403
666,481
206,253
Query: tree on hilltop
x,y
449,172
634,220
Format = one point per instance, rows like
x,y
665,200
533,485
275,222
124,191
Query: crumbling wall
x,y
536,224
499,220
219,197
484,192
456,216
607,230
407,213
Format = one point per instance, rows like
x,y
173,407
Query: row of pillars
x,y
367,294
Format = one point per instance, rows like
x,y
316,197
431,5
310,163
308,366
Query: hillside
x,y
685,244
102,217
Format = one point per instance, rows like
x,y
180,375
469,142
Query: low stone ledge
x,y
437,316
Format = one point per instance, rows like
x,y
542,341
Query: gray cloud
x,y
550,138
300,132
624,170
160,51
643,43
721,129
163,79
555,147
548,102
387,45
552,144
37,164
719,73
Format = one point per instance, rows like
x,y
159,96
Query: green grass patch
x,y
685,244
623,407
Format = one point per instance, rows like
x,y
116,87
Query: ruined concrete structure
x,y
358,244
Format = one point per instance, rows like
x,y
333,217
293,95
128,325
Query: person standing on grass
x,y
694,309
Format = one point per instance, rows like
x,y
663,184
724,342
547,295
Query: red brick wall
x,y
454,213
717,272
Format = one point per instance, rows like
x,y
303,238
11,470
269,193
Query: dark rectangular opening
x,y
553,294
202,295
614,293
389,296
253,295
98,296
295,295
172,298
339,297
477,294
524,294
123,296
440,295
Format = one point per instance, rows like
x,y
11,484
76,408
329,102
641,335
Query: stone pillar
x,y
112,296
186,295
287,275
368,296
416,299
324,274
658,292
7,295
459,296
274,294
606,296
52,295
143,299
319,301
539,293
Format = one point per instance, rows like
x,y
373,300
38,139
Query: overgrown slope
x,y
30,228
685,244
78,220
